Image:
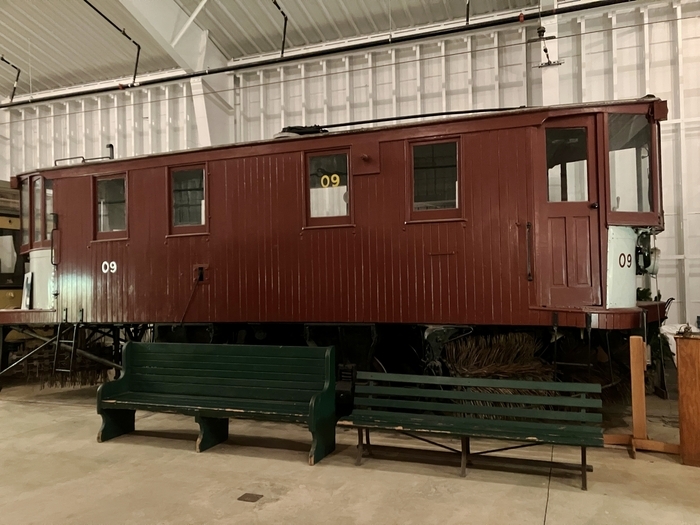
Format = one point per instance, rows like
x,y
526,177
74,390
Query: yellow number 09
x,y
332,180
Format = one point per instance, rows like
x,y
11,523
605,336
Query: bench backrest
x,y
284,373
480,398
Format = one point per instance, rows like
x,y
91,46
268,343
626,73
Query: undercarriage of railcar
x,y
79,354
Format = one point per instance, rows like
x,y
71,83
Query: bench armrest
x,y
322,408
322,404
114,388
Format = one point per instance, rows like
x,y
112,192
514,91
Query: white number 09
x,y
109,267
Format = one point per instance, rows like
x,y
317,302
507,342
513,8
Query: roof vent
x,y
295,131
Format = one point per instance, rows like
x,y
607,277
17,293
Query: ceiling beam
x,y
190,46
310,19
242,32
241,5
368,15
330,20
225,30
187,24
273,17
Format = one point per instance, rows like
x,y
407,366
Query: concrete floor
x,y
53,471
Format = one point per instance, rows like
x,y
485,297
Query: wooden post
x,y
4,349
639,439
358,461
639,405
688,357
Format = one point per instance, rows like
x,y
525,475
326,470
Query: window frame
x,y
29,181
196,229
42,225
113,235
587,172
45,240
444,214
634,218
327,222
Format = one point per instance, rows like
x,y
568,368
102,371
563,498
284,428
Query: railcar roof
x,y
560,108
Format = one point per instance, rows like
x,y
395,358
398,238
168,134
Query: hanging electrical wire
x,y
258,85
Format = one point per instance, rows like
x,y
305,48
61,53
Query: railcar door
x,y
567,258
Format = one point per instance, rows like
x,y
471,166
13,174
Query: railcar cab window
x,y
329,188
629,138
48,208
36,212
435,183
24,212
111,207
188,210
37,209
567,165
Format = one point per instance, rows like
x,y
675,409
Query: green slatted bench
x,y
534,412
216,382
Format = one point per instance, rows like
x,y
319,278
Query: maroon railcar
x,y
524,217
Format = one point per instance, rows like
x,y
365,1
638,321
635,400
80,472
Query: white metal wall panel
x,y
623,52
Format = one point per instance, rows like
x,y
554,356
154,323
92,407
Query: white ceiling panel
x,y
61,43
58,43
241,28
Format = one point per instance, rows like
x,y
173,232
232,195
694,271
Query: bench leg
x,y
212,431
115,422
358,461
369,449
323,441
465,452
584,470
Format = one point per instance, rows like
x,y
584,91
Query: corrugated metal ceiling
x,y
60,43
241,28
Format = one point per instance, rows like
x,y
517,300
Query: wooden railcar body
x,y
505,255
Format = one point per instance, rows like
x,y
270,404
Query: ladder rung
x,y
67,341
63,370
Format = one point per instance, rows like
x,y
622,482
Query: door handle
x,y
594,206
53,256
528,242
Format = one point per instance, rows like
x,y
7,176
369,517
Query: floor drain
x,y
249,497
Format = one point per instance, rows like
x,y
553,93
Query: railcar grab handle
x,y
528,229
54,260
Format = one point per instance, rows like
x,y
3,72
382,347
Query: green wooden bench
x,y
216,382
535,412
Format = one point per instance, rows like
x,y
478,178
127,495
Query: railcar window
x,y
630,172
37,209
567,165
328,185
24,198
188,197
48,208
435,176
111,205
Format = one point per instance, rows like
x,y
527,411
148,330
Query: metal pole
x,y
14,87
284,30
23,359
123,32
